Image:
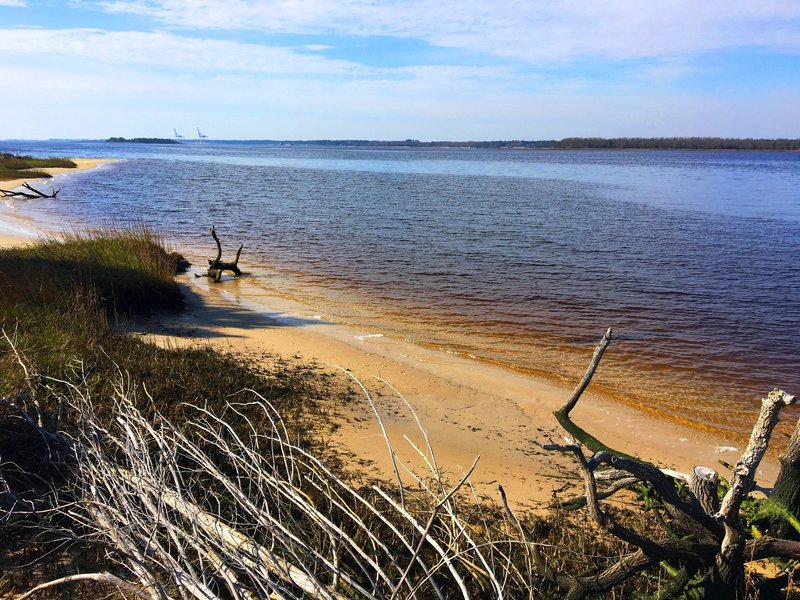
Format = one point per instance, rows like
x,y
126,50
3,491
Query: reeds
x,y
231,504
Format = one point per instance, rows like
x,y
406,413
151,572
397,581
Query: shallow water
x,y
521,258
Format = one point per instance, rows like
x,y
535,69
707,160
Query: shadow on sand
x,y
202,319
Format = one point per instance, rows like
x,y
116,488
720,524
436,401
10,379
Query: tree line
x,y
680,143
572,143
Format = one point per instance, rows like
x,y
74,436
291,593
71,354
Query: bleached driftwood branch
x,y
189,512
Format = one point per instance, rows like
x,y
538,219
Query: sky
x,y
392,70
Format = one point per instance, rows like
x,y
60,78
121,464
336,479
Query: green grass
x,y
15,166
60,300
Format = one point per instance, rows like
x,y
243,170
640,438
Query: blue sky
x,y
379,69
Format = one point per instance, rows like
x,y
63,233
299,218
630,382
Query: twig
x,y
389,446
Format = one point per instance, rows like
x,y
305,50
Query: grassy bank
x,y
16,166
190,473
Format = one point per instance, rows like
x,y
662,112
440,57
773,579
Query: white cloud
x,y
169,50
666,70
454,72
523,29
14,3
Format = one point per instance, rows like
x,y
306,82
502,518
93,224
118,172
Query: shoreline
x,y
17,229
83,164
468,408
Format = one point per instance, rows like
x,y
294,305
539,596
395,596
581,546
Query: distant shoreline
x,y
138,140
745,144
673,143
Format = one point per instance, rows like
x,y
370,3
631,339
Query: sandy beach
x,y
467,408
83,164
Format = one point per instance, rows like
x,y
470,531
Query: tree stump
x,y
217,266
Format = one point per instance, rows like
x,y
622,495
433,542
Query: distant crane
x,y
177,135
201,135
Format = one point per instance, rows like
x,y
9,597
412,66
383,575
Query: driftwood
x,y
709,536
216,266
31,194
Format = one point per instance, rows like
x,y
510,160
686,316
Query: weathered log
x,y
704,484
728,574
216,266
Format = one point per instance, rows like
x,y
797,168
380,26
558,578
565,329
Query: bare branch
x,y
216,266
587,377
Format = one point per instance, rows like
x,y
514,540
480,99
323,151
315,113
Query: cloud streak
x,y
168,50
519,29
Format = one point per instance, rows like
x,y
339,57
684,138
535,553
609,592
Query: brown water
x,y
516,258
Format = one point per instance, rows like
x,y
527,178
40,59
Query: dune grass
x,y
16,166
186,472
61,298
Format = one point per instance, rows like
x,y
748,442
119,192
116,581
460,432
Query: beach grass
x,y
150,452
16,166
62,299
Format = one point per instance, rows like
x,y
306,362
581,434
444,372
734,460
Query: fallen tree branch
x,y
729,564
708,538
562,414
587,377
577,502
649,553
35,194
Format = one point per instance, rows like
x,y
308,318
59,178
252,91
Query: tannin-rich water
x,y
520,258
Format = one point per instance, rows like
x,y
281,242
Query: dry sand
x,y
467,408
